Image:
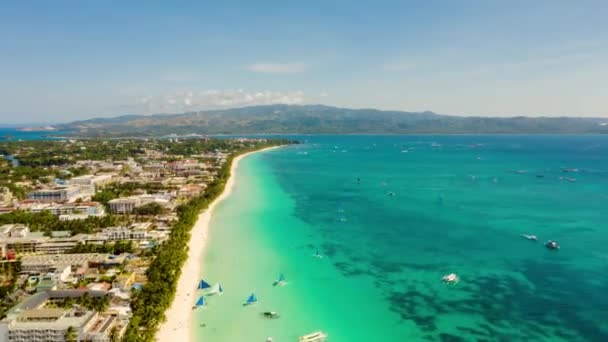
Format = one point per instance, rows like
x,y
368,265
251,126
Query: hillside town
x,y
82,221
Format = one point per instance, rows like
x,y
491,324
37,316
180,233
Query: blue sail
x,y
203,285
252,299
200,301
221,289
281,277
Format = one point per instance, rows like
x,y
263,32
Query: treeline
x,y
9,272
115,248
149,305
47,222
99,304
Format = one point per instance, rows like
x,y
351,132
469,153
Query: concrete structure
x,y
52,263
59,194
31,321
6,197
84,208
124,205
18,238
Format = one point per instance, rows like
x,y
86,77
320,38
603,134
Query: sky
x,y
67,60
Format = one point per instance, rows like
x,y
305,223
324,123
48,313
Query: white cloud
x,y
278,68
184,101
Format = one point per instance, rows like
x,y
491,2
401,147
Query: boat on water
x,y
318,255
317,336
199,303
271,314
216,290
553,245
451,278
203,285
252,299
280,281
530,237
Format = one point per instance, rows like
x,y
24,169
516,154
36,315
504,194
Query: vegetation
x,y
150,209
99,304
70,335
116,248
149,305
9,271
46,222
318,119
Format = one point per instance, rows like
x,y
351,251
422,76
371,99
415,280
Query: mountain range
x,y
320,119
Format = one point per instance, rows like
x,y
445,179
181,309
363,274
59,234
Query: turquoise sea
x,y
393,214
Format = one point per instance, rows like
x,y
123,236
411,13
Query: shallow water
x,y
458,206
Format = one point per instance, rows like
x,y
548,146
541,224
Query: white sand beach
x,y
179,316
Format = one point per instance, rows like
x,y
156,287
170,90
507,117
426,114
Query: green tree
x,y
70,335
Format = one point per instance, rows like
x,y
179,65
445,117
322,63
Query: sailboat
x,y
216,290
200,302
251,300
279,282
203,285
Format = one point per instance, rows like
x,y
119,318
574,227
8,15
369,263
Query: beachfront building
x,y
190,190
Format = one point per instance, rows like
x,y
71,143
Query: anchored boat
x,y
318,336
279,282
203,285
251,300
199,303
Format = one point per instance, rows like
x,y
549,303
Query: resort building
x,y
17,238
83,209
52,263
33,321
93,180
60,194
124,205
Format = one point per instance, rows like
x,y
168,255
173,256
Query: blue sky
x,y
66,60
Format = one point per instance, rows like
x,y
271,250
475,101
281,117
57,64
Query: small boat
x,y
451,278
269,339
317,255
317,336
530,237
553,245
390,193
200,302
203,285
251,300
270,314
342,219
279,282
216,290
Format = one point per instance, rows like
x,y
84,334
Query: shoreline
x,y
177,325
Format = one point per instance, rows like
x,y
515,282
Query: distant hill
x,y
319,119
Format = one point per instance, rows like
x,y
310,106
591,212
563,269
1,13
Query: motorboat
x,y
530,237
270,314
450,278
553,245
317,336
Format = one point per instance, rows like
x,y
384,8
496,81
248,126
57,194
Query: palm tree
x,y
114,334
70,335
